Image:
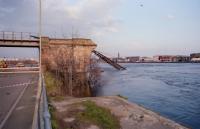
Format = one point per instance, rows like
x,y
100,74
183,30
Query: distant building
x,y
181,58
12,62
146,59
133,59
156,58
163,58
114,59
119,60
195,57
171,58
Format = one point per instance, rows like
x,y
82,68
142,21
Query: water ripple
x,y
172,90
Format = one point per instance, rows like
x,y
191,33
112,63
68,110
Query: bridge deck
x,y
18,39
19,43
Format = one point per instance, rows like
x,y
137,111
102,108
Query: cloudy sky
x,y
131,27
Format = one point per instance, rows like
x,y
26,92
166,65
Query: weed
x,y
52,85
54,123
99,115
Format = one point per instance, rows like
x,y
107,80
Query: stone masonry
x,y
82,49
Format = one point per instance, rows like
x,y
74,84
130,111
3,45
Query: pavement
x,y
17,99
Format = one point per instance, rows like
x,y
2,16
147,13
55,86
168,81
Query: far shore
x,y
156,62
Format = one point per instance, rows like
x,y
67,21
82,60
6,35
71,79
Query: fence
x,y
17,35
43,119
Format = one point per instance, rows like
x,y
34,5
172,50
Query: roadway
x,y
18,93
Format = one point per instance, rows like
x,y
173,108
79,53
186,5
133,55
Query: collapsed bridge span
x,y
109,61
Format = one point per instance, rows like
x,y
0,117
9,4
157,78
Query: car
x,y
20,64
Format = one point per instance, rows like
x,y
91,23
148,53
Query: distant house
x,y
133,59
180,58
163,58
195,59
171,58
156,58
146,59
195,55
119,60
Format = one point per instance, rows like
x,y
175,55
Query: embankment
x,y
129,115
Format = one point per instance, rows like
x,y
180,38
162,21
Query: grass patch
x,y
54,122
52,85
123,97
99,116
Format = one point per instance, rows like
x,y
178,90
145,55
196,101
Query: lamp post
x,y
35,124
40,42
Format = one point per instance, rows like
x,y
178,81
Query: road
x,y
19,69
18,93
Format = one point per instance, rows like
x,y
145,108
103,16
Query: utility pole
x,y
35,117
40,48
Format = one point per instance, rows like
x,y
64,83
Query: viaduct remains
x,y
79,48
70,59
64,55
76,51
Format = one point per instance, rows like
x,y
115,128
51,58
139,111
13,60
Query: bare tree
x,y
61,69
77,74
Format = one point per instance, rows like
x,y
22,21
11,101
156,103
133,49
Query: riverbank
x,y
129,115
171,90
92,112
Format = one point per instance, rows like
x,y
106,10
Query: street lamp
x,y
35,117
40,42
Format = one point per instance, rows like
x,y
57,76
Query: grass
x,y
52,85
99,116
54,123
52,88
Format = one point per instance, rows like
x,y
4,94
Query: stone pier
x,y
80,49
71,58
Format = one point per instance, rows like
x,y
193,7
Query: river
x,y
170,89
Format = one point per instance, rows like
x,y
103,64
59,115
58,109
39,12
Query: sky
x,y
130,27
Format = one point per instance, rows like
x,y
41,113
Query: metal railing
x,y
43,119
5,35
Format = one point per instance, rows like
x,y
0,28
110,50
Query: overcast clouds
x,y
156,27
86,17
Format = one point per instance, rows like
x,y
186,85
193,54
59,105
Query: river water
x,y
172,90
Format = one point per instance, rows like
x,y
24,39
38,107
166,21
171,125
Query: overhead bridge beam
x,y
18,39
19,43
109,61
